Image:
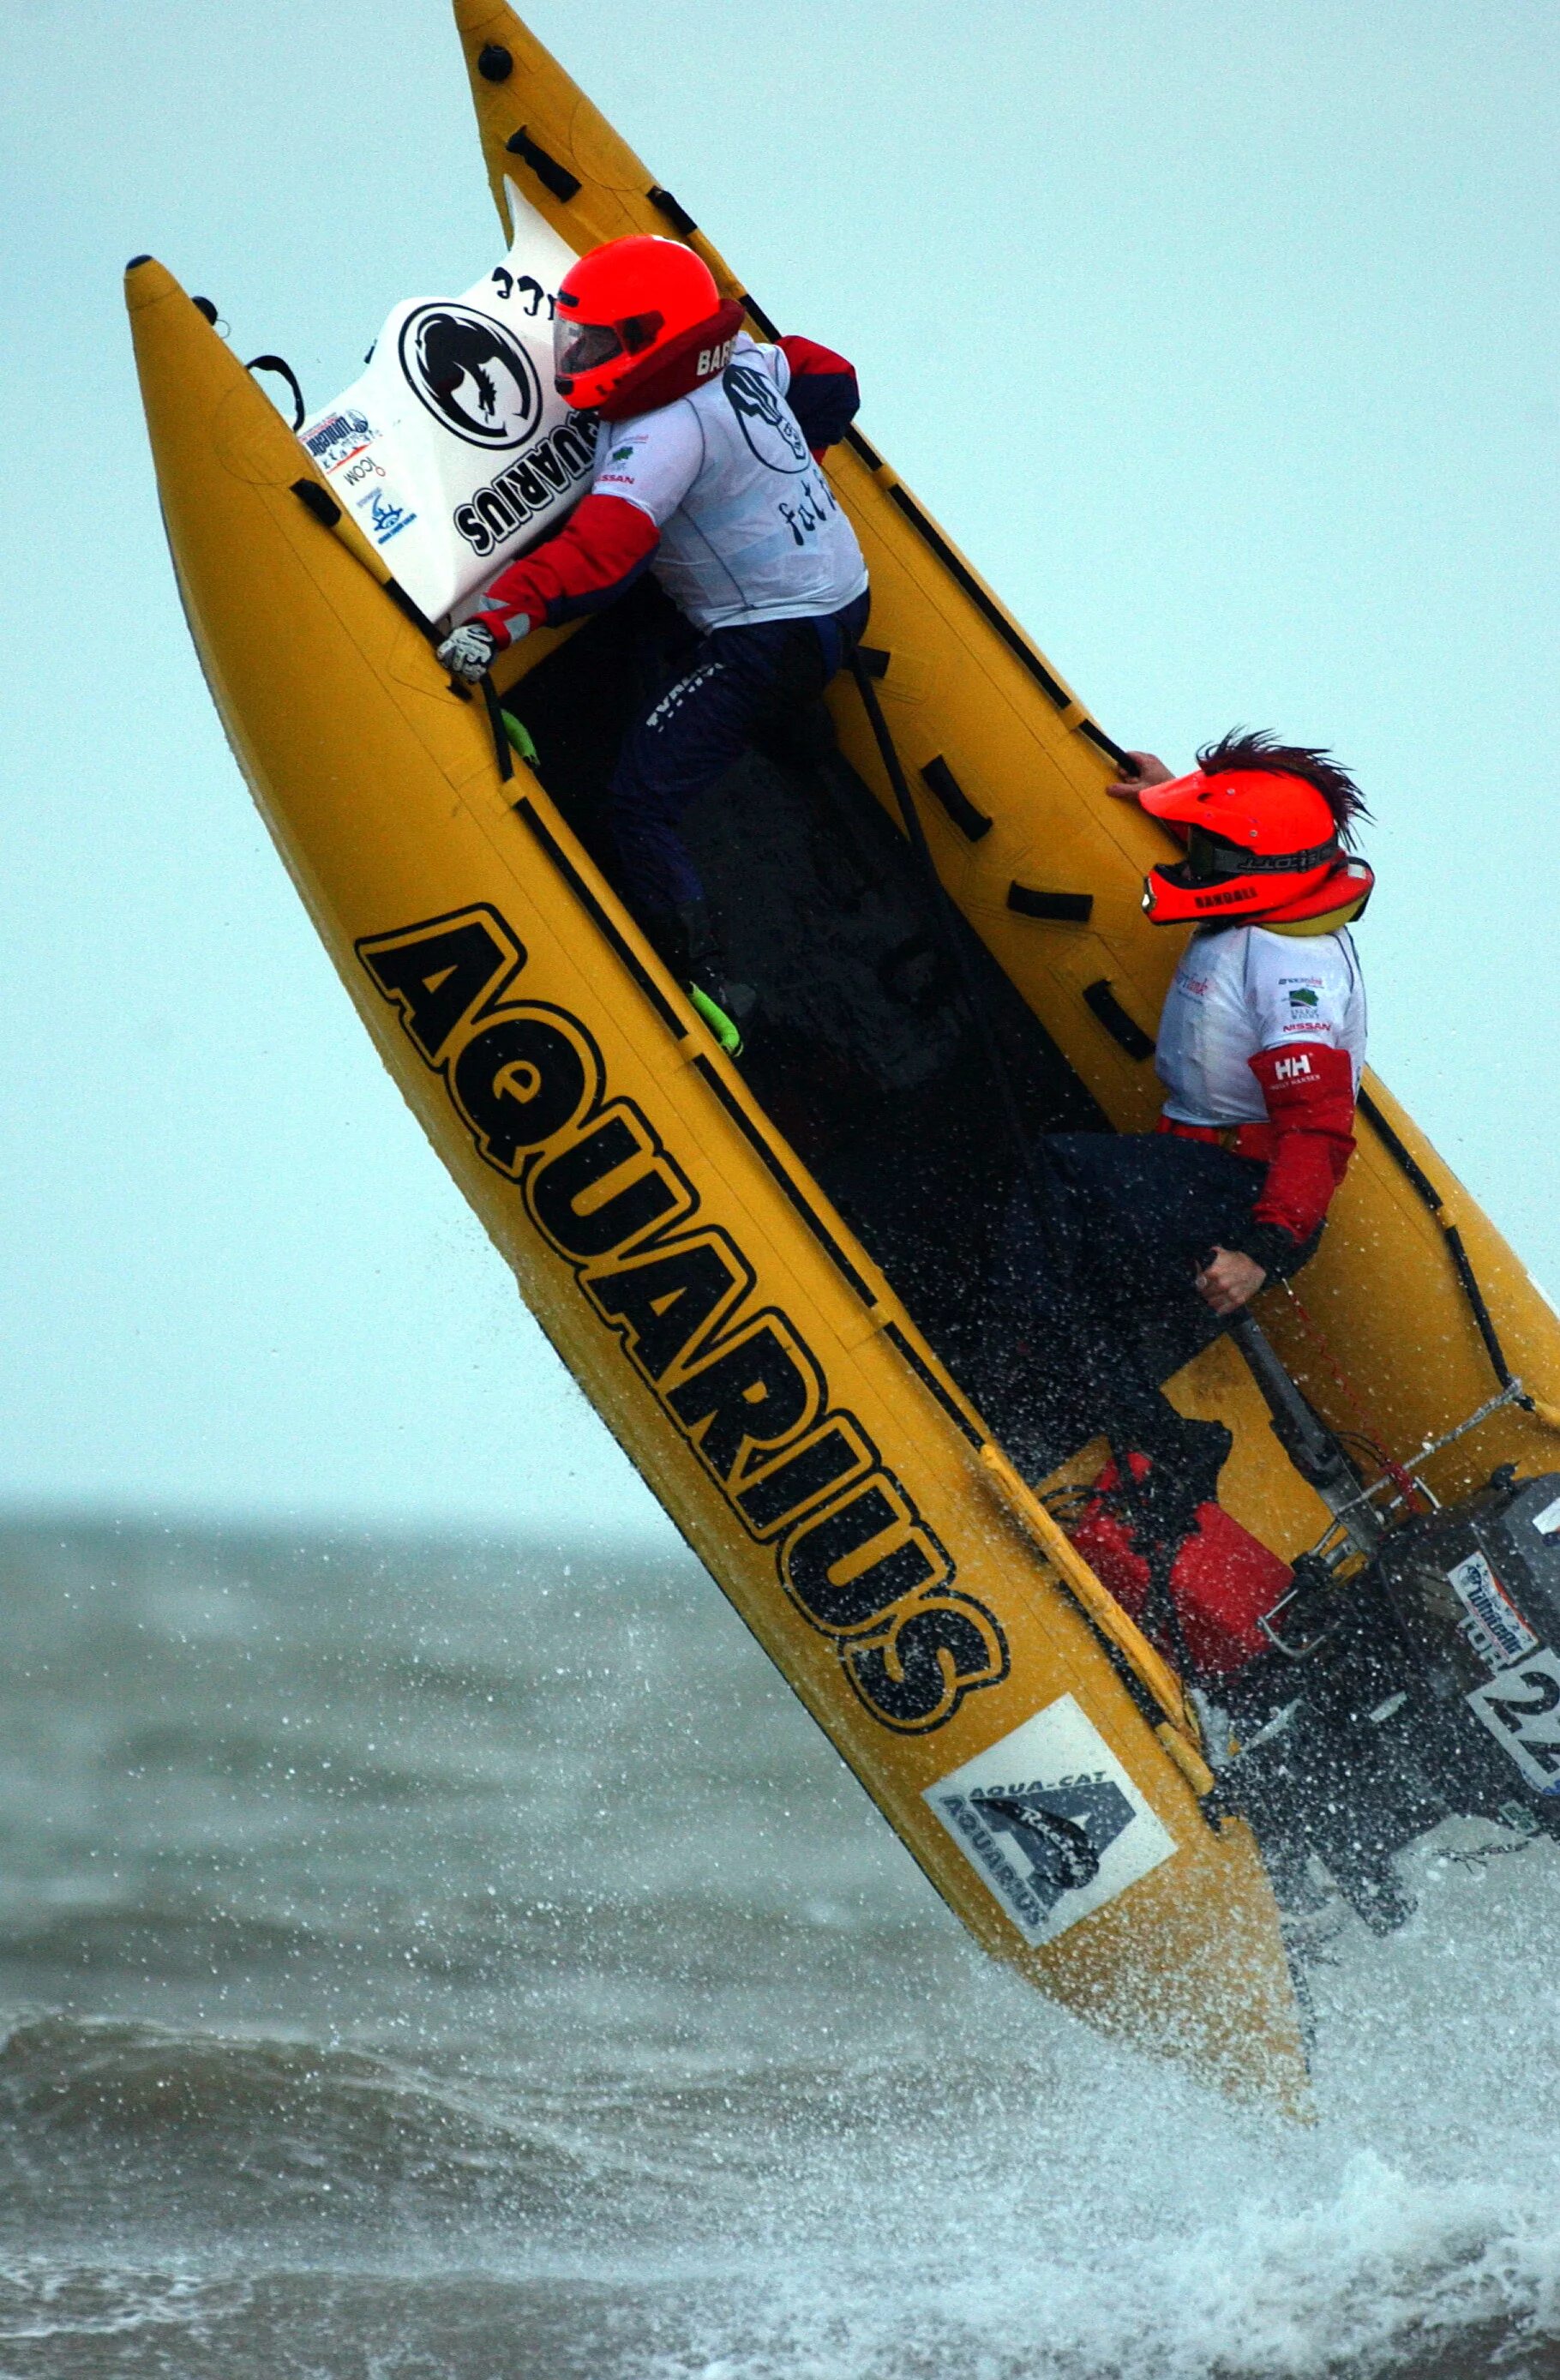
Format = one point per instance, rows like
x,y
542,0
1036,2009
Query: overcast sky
x,y
1222,338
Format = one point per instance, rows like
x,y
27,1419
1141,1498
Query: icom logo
x,y
472,374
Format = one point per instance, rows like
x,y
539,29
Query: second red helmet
x,y
640,323
1260,845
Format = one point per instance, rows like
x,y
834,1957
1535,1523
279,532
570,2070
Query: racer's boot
x,y
726,1006
687,938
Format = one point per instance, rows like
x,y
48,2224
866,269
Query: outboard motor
x,y
1426,1686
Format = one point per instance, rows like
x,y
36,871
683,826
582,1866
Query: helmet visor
x,y
1215,859
582,346
1210,859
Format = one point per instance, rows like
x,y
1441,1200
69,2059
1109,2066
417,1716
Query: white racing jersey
x,y
750,528
1244,989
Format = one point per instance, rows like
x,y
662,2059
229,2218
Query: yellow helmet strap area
x,y
1328,923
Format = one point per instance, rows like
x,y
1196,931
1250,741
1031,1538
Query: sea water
x,y
462,1962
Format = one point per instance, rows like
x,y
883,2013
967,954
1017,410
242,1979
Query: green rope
x,y
719,1024
520,736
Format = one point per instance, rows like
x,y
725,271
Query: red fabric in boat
x,y
1223,1581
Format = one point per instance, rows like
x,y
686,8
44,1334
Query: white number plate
x,y
1521,1709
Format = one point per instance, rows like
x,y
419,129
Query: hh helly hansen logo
x,y
1295,1068
734,1376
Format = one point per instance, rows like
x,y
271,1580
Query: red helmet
x,y
640,323
1261,846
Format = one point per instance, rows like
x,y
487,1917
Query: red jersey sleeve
x,y
1309,1092
602,550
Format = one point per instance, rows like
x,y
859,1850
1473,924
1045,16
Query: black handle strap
x,y
283,371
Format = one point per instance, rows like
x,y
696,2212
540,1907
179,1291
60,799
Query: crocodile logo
x,y
472,374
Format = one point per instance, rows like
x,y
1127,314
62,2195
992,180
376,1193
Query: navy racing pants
x,y
739,682
1093,1298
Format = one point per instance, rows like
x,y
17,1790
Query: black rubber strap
x,y
548,171
284,370
318,501
327,512
1016,644
682,222
940,779
1402,1156
934,1387
1067,909
1101,1001
786,1181
1468,1281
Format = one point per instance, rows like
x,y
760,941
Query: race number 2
x,y
1521,1709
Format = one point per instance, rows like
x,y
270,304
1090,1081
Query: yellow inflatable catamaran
x,y
754,1274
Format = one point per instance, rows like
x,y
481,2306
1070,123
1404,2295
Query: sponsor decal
x,y
338,438
1295,1068
386,518
714,360
766,420
472,373
1548,1521
734,1376
1494,1627
1521,1709
527,486
1303,997
622,453
1051,1820
812,509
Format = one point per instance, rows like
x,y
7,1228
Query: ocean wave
x,y
424,1978
138,2126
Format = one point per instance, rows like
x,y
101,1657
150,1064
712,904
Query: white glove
x,y
469,653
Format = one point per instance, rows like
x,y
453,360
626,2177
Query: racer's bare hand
x,y
1229,1280
1151,771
